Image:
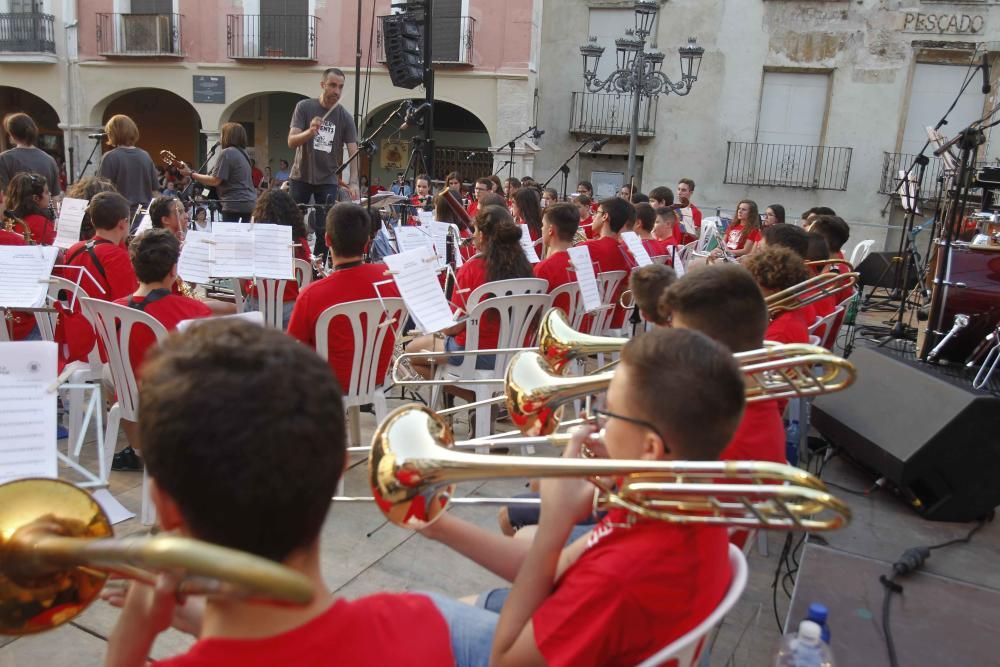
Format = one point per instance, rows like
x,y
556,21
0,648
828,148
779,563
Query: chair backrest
x,y
861,251
270,301
608,283
502,288
823,326
576,309
303,272
239,300
114,324
372,330
687,649
814,340
518,315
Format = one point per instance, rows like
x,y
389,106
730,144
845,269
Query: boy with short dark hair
x,y
648,283
104,257
224,481
559,225
607,251
792,237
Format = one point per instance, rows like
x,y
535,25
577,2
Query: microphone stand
x,y
185,194
511,144
564,169
90,158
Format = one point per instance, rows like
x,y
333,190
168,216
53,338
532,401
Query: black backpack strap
x,y
152,297
88,248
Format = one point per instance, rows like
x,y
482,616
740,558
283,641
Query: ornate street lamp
x,y
638,72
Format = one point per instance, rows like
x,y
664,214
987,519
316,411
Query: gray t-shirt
x,y
316,161
17,160
236,190
132,171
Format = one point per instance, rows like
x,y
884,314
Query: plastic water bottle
x,y
818,614
805,648
792,434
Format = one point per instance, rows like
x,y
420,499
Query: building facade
x,y
797,103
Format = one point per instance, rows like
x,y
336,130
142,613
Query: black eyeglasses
x,y
603,416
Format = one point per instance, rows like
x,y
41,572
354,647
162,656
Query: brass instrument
x,y
412,472
55,556
10,221
827,262
809,291
626,301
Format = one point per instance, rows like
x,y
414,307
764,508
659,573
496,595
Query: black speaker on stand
x,y
403,37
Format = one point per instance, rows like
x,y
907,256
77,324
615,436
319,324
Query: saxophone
x,y
10,221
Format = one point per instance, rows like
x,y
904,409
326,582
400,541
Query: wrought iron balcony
x,y
140,35
29,32
271,37
611,114
893,163
788,166
453,38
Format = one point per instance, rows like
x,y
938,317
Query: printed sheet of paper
x,y
580,258
28,417
115,510
425,217
414,238
232,252
323,141
441,233
273,251
634,245
678,262
195,263
70,220
528,245
418,285
25,272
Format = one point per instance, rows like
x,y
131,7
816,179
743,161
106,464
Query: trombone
x,y
413,470
56,553
809,291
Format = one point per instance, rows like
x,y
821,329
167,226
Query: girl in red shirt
x,y
28,198
745,232
500,257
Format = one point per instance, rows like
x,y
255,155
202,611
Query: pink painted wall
x,y
502,41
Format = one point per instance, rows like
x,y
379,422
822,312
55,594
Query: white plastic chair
x,y
303,272
576,309
502,288
114,324
861,251
608,283
687,649
269,299
372,331
822,328
518,315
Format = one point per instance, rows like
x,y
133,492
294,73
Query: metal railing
x,y
893,163
453,36
788,165
30,32
139,34
611,114
271,37
469,162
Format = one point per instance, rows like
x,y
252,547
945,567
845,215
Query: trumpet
x,y
809,291
55,556
413,471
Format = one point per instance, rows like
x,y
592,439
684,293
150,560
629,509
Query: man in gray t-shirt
x,y
29,159
319,131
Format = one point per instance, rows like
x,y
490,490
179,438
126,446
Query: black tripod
x,y
564,169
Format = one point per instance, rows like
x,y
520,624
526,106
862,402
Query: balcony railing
x,y
611,114
139,35
453,38
788,166
893,163
27,33
271,37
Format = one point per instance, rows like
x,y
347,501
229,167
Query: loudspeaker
x,y
931,435
879,270
403,36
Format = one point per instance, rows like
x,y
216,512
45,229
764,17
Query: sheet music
x,y
528,245
678,263
28,418
25,271
413,272
195,263
115,510
579,256
440,233
70,220
425,217
634,245
907,190
414,238
273,251
232,252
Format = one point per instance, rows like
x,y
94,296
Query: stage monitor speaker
x,y
879,270
933,436
403,39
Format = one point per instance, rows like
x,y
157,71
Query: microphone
x,y
471,155
537,134
599,144
413,115
97,135
986,74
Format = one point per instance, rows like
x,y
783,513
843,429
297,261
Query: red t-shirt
x,y
760,435
556,269
21,322
633,591
610,255
168,311
787,327
807,314
654,247
733,234
695,216
587,225
473,208
351,284
469,277
43,230
118,279
381,629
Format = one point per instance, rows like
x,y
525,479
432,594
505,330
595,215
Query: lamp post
x,y
638,71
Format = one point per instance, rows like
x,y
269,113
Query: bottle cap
x,y
809,633
818,613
